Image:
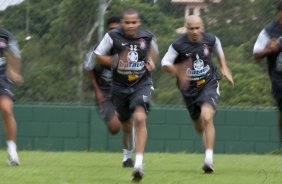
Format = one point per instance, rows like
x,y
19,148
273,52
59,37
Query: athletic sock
x,y
12,148
11,145
126,154
209,156
138,160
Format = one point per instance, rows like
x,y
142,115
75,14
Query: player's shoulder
x,y
5,33
271,26
209,36
4,30
180,40
115,32
209,39
145,33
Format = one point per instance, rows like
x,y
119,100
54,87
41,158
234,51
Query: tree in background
x,y
63,30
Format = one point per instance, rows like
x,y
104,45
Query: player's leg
x,y
202,109
109,115
119,98
140,103
209,97
203,123
128,143
10,127
197,112
139,117
194,109
276,91
207,114
280,127
141,132
113,125
280,130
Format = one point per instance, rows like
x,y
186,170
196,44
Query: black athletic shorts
x,y
107,109
126,99
207,94
6,87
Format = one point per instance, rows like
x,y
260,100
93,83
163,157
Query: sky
x,y
5,3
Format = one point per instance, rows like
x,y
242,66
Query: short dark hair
x,y
130,11
279,6
113,19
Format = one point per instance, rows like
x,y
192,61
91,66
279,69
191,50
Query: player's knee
x,y
6,112
207,114
139,115
113,129
207,118
114,126
140,119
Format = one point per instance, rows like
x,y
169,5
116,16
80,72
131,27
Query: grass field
x,y
160,168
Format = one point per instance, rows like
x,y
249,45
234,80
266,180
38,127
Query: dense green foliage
x,y
52,59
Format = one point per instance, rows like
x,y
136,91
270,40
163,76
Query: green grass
x,y
160,168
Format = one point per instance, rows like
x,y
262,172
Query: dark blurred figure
x,y
269,45
101,79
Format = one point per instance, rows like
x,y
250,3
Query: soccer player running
x,y
101,80
269,45
10,61
189,58
132,81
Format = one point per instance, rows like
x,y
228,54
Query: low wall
x,y
60,128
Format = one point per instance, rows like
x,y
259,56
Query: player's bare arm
x,y
99,97
153,56
154,51
226,71
170,69
168,60
265,45
179,69
222,62
262,54
13,67
102,52
150,64
105,60
271,47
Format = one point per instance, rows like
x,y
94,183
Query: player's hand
x,y
227,73
120,58
13,67
150,65
273,45
181,73
99,97
183,80
15,77
115,61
